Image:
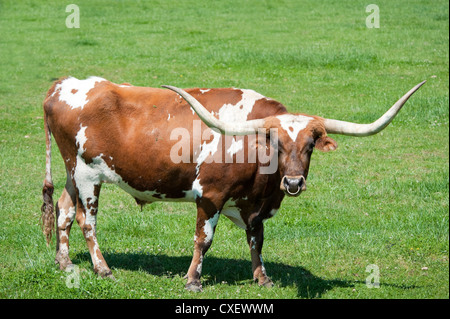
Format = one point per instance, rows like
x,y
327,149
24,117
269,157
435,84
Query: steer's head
x,y
296,135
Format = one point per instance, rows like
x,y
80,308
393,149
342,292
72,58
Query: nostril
x,y
286,183
302,183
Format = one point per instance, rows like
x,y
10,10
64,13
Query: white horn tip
x,y
421,83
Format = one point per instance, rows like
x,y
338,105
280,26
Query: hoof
x,y
64,262
265,282
194,286
69,268
105,273
110,276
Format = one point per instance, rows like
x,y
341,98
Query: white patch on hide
x,y
233,213
293,124
208,228
235,146
74,92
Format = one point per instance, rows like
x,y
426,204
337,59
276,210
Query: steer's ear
x,y
325,144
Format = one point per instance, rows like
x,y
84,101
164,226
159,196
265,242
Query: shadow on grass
x,y
219,270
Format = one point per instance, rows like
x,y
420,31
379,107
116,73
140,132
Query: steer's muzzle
x,y
293,185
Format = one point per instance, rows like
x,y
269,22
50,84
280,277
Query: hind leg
x,y
207,218
86,216
65,214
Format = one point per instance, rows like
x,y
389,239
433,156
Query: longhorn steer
x,y
129,136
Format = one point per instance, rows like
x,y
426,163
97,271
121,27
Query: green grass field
x,y
380,200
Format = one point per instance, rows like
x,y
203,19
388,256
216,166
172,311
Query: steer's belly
x,y
154,196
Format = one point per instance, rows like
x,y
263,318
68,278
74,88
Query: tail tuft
x,y
47,216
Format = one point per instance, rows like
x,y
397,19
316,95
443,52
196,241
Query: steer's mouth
x,y
293,185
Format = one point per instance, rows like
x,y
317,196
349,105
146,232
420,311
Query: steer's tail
x,y
47,216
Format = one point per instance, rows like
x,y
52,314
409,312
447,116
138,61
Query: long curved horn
x,y
238,128
353,129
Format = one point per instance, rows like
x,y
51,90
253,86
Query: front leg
x,y
207,218
255,239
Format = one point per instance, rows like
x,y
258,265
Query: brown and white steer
x,y
132,136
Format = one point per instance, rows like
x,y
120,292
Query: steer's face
x,y
298,135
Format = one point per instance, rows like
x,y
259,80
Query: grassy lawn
x,y
380,200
